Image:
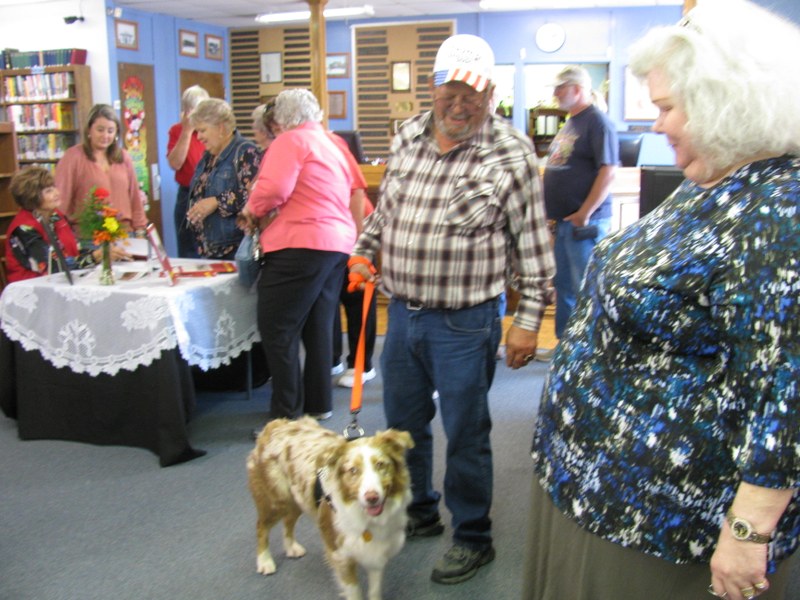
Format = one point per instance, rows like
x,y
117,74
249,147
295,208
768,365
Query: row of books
x,y
50,166
39,86
32,117
44,146
14,59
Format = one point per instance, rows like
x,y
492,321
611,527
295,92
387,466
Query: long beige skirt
x,y
565,562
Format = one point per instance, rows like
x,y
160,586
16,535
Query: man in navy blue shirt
x,y
581,163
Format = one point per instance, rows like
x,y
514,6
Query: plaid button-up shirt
x,y
455,228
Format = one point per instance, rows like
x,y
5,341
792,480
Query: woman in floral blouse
x,y
221,181
667,449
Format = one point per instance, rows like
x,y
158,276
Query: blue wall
x,y
158,47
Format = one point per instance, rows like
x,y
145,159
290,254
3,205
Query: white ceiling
x,y
242,13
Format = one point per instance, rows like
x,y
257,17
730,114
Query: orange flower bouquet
x,y
98,223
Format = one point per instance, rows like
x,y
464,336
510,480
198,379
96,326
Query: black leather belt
x,y
414,305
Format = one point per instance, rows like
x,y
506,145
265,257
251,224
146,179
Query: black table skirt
x,y
146,408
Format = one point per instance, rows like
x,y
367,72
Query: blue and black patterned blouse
x,y
679,373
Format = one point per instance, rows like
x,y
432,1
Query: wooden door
x,y
139,132
213,83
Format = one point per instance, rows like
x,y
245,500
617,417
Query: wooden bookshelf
x,y
543,125
48,106
8,208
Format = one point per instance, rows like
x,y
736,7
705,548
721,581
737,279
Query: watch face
x,y
741,529
550,37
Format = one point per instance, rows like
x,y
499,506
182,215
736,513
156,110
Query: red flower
x,y
101,193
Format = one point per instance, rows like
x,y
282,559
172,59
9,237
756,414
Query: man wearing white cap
x,y
460,210
580,168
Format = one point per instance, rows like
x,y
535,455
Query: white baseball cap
x,y
576,75
465,58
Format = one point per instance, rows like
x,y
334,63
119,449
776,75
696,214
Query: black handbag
x,y
248,259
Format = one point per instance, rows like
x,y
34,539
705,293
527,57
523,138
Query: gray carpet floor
x,y
98,523
82,522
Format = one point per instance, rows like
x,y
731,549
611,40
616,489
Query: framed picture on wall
x,y
213,47
126,34
637,100
271,67
337,66
187,43
337,105
401,76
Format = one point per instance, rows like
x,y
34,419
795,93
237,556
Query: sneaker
x,y
348,380
337,369
322,416
544,354
461,563
418,528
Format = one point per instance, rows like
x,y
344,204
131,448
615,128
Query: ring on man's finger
x,y
713,593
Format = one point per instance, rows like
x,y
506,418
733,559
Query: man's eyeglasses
x,y
473,100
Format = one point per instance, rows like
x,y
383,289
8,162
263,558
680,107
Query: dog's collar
x,y
319,492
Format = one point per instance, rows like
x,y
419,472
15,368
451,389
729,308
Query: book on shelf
x,y
46,58
39,86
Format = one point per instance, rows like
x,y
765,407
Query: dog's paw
x,y
265,565
351,592
294,550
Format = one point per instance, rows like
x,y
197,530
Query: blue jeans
x,y
572,257
453,352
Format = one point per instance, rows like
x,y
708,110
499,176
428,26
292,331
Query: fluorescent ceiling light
x,y
540,4
305,15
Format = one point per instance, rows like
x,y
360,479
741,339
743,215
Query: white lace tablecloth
x,y
101,329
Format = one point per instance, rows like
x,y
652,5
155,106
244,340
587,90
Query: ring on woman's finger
x,y
528,358
713,593
748,592
762,585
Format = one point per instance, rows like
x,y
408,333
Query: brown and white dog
x,y
357,492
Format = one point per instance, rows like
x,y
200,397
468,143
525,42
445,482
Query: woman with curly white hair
x,y
667,448
306,182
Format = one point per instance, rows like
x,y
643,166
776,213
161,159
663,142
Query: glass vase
x,y
106,274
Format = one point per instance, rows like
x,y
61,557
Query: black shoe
x,y
461,563
418,528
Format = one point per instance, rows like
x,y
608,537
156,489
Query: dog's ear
x,y
400,441
331,457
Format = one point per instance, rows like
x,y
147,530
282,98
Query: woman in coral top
x,y
100,161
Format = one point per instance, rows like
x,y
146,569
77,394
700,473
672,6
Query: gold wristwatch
x,y
742,530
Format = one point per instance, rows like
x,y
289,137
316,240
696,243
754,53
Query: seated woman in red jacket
x,y
28,251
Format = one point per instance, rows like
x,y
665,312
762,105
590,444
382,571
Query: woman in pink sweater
x,y
305,180
100,161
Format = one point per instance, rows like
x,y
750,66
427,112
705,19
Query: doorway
x,y
139,131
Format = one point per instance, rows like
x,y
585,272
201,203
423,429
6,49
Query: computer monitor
x,y
353,140
629,145
655,184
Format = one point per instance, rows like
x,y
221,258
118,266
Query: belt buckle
x,y
414,305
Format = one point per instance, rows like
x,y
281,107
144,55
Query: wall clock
x,y
550,37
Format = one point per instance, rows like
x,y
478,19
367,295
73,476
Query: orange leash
x,y
354,430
